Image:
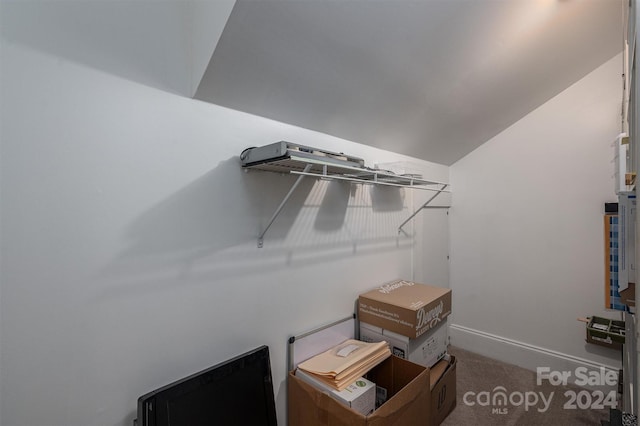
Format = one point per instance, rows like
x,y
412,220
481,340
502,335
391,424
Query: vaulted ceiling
x,y
433,79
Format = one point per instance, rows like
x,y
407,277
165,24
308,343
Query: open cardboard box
x,y
443,390
415,396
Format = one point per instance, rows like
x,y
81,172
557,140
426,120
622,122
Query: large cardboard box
x,y
425,350
443,390
405,307
409,399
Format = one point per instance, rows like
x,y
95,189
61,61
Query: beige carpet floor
x,y
478,377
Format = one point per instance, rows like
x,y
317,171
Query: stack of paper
x,y
345,363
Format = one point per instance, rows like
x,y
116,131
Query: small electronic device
x,y
285,150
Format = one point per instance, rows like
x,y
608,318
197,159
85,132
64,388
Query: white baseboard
x,y
527,356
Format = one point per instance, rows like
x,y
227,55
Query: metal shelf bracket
x,y
280,207
424,206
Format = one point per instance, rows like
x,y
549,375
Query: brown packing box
x,y
408,403
628,295
443,390
405,307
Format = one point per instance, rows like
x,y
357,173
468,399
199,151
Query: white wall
x,y
129,255
208,19
527,229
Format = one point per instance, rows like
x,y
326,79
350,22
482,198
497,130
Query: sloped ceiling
x,y
430,79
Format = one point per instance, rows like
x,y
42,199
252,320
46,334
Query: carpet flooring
x,y
477,380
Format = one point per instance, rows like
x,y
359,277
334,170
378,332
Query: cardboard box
x,y
425,350
442,382
404,307
407,385
443,390
360,395
628,295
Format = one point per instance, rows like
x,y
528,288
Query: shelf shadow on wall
x,y
219,210
387,198
333,207
336,201
228,207
210,227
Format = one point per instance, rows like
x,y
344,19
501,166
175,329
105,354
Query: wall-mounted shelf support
x,y
372,178
424,206
326,169
284,201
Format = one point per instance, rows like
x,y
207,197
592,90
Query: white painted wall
x,y
208,19
129,256
526,229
